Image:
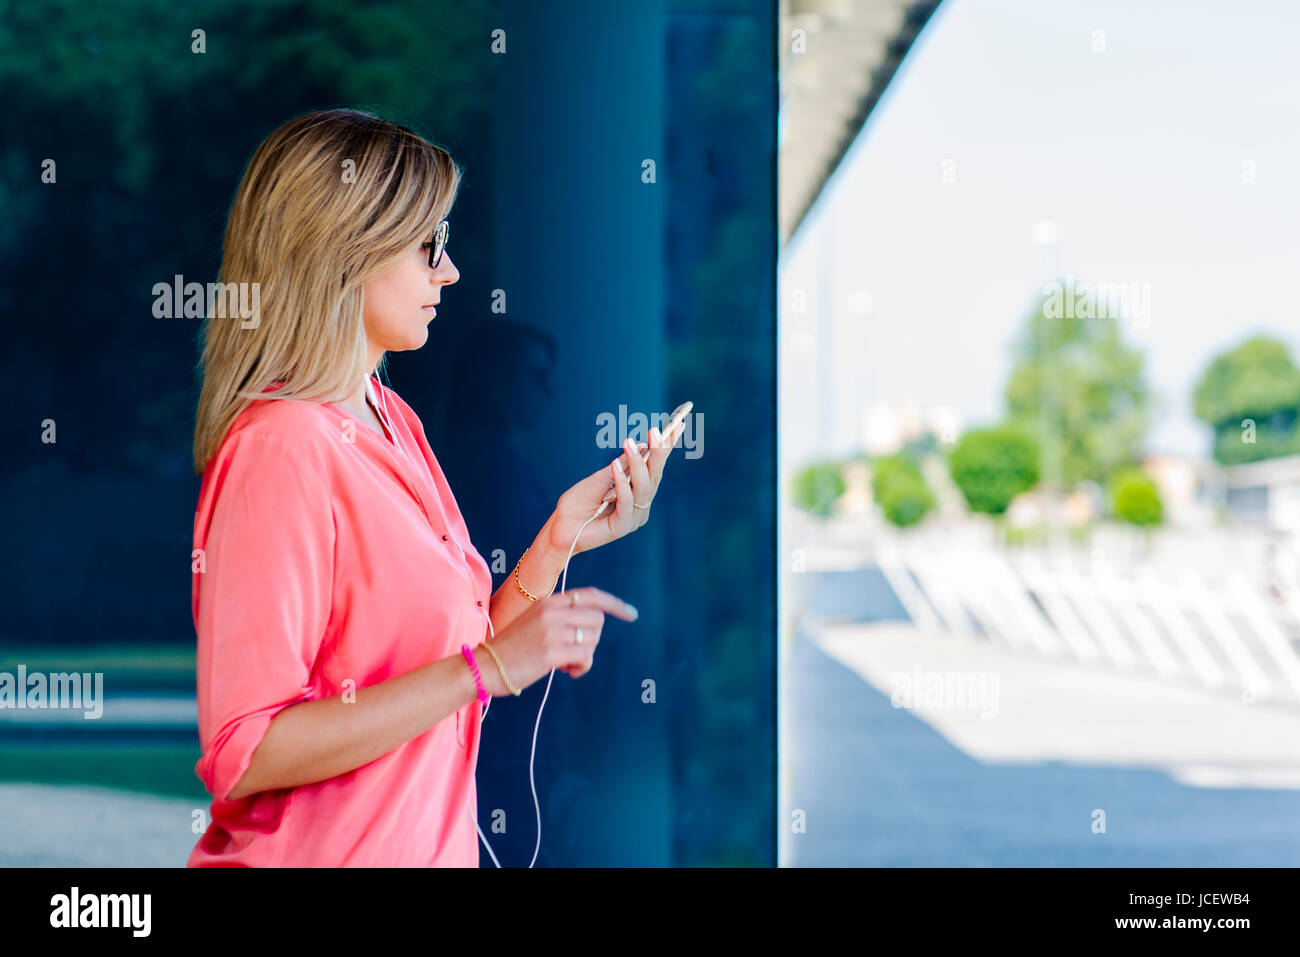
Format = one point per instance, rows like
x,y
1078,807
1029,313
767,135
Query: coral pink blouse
x,y
332,558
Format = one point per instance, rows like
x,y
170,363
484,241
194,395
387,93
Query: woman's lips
x,y
430,309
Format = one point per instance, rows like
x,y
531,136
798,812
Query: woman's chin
x,y
417,338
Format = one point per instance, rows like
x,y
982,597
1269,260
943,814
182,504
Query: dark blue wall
x,y
619,293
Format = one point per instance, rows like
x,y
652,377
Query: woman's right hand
x,y
542,637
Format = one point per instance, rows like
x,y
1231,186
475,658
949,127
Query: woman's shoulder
x,y
279,448
304,429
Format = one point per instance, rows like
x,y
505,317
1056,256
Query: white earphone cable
x,y
564,577
381,405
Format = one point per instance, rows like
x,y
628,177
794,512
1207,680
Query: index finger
x,y
591,596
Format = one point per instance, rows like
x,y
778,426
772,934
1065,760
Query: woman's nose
x,y
446,273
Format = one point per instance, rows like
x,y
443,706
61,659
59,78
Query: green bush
x,y
1135,498
1250,396
816,488
900,490
993,466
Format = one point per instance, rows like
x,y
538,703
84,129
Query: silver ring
x,y
635,505
578,640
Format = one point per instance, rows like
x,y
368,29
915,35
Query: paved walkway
x,y
1184,777
51,826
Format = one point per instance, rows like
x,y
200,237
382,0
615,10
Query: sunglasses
x,y
437,245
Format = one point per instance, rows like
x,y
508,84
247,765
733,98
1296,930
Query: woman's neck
x,y
357,400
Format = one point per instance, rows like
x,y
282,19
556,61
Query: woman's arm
x,y
541,567
315,740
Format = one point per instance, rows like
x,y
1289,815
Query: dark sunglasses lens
x,y
439,241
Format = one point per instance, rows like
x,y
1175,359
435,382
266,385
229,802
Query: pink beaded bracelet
x,y
478,680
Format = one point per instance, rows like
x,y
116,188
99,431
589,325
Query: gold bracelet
x,y
520,585
492,651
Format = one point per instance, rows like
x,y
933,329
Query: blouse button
x,y
480,603
444,538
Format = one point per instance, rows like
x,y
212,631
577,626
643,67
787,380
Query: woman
x,y
342,613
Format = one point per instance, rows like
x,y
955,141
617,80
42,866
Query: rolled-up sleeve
x,y
262,595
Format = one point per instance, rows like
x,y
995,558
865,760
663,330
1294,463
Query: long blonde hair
x,y
328,201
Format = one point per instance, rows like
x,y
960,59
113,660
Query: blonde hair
x,y
328,201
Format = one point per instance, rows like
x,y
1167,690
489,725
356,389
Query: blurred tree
x,y
900,490
1136,498
993,466
1080,390
816,488
1250,396
920,446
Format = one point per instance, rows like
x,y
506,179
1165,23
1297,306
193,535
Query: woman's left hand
x,y
638,483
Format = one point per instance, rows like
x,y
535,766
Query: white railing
x,y
1220,631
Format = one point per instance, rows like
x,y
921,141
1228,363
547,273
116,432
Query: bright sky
x,y
1138,154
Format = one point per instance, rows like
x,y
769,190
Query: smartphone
x,y
678,414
